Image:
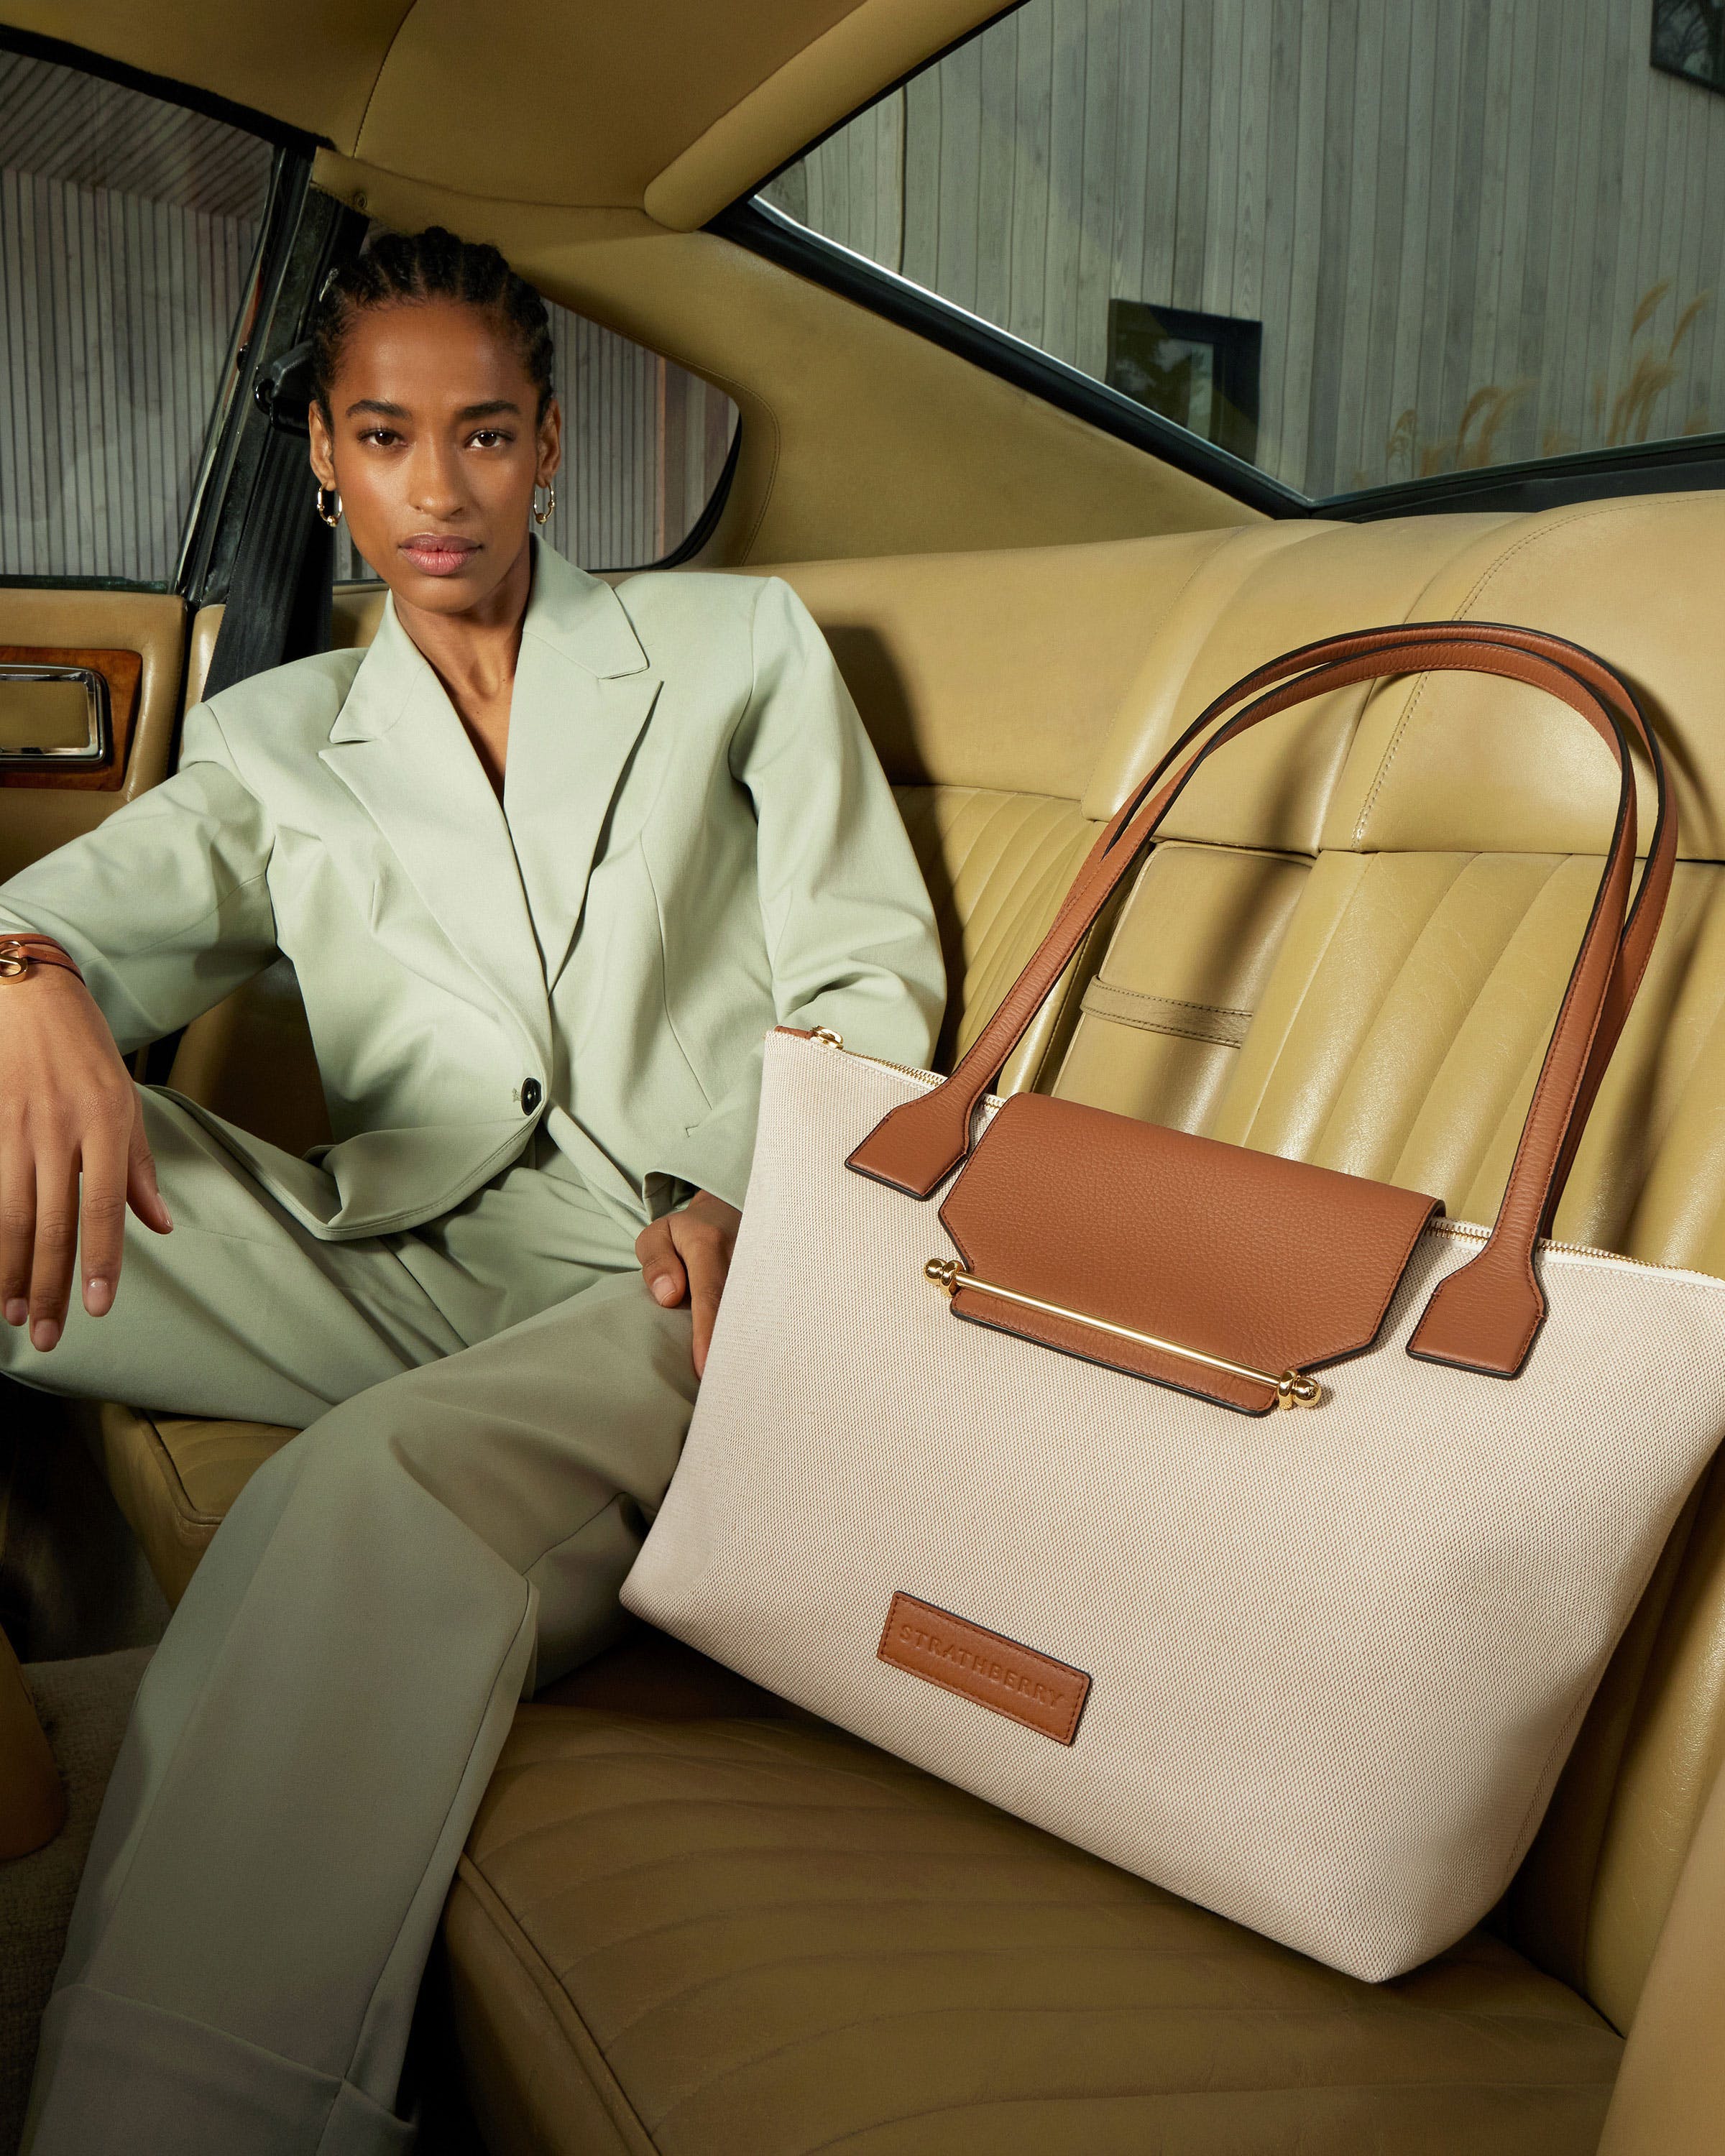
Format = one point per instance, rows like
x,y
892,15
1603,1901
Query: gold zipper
x,y
1470,1233
927,1079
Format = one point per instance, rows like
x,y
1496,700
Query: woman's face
x,y
432,444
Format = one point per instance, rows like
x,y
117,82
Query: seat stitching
x,y
1533,538
1483,1146
1465,866
1459,869
187,1515
1178,1002
1317,966
1395,741
1005,887
1485,2018
907,1779
1209,2090
1171,1905
998,909
515,1942
703,1804
876,2022
679,1860
1462,613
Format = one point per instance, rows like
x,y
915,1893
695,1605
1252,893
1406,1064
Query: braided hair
x,y
399,267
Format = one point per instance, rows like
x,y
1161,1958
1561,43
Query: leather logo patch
x,y
1000,1674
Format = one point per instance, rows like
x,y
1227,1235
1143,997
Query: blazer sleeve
x,y
850,929
165,904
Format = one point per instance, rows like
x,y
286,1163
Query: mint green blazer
x,y
699,845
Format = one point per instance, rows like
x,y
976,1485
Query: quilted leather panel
x,y
1169,1007
765,1939
175,1477
1401,1032
997,866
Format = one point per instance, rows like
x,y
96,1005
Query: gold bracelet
x,y
21,955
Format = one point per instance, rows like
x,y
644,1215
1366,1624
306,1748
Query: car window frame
x,y
1680,463
289,176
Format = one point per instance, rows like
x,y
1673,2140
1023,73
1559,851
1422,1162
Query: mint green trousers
x,y
490,1408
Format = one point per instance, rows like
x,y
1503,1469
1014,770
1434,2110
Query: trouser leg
x,y
240,1312
318,1728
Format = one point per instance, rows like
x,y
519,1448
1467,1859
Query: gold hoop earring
x,y
331,521
543,516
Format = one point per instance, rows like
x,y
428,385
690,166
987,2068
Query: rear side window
x,y
128,233
645,445
1355,244
645,450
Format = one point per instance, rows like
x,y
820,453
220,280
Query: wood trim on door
x,y
122,671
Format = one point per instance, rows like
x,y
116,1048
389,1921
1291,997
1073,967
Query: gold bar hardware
x,y
827,1038
1293,1388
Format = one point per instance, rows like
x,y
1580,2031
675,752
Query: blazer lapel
x,y
584,690
400,748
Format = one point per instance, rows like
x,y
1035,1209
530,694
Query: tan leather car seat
x,y
721,1937
703,1930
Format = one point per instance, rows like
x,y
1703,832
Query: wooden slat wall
x,y
1460,204
115,317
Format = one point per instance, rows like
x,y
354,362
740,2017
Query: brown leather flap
x,y
1268,1264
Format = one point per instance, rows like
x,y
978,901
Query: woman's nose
x,y
433,488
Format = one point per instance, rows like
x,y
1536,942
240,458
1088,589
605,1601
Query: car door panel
x,y
136,641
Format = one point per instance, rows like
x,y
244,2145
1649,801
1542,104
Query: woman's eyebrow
x,y
377,404
489,409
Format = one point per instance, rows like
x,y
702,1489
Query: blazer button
x,y
532,1093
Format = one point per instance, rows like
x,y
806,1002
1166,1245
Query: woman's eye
x,y
489,437
382,436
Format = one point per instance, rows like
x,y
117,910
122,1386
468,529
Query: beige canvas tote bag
x,y
983,1467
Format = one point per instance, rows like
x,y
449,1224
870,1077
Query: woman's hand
x,y
73,1153
688,1252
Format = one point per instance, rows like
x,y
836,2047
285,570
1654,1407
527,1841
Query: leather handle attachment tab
x,y
1485,1315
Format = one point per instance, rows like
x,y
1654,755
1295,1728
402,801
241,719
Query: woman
x,y
549,860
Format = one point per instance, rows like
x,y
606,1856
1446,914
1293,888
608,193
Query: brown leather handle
x,y
1485,1315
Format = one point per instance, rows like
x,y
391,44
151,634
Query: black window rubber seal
x,y
780,239
60,53
1683,465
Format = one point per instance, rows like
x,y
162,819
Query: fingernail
x,y
44,1334
16,1310
98,1294
664,1292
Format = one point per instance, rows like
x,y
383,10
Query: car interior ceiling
x,y
690,1918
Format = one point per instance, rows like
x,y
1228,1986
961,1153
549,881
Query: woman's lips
x,y
439,554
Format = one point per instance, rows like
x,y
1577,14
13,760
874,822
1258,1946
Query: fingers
x,y
706,1253
17,1226
101,1215
55,1244
73,1155
65,1182
690,1249
143,1194
661,1267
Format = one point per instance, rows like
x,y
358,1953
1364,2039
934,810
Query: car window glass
x,y
128,229
1355,244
